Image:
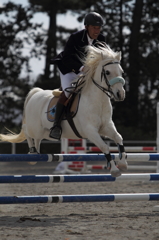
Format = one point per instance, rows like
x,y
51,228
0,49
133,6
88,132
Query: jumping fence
x,y
83,178
76,178
69,146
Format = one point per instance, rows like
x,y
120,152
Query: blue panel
x,y
23,157
24,179
19,200
154,177
154,157
153,197
88,198
89,178
84,157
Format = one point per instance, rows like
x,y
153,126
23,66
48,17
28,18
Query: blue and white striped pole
x,y
77,178
79,198
73,157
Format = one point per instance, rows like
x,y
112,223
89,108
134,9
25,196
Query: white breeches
x,y
66,81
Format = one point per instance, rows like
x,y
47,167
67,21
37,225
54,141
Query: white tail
x,y
12,137
17,138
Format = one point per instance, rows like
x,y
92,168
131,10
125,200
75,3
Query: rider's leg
x,y
66,81
56,130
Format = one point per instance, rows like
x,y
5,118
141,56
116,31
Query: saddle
x,y
70,110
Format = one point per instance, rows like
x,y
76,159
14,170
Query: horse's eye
x,y
107,72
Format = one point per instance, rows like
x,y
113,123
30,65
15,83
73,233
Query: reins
x,y
76,86
106,91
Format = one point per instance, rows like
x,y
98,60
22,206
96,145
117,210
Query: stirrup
x,y
56,132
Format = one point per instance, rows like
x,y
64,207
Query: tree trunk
x,y
51,41
121,25
134,67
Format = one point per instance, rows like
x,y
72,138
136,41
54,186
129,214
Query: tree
x,y
134,62
15,30
52,8
131,27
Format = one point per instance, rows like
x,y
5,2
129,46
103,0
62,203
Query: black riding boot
x,y
56,130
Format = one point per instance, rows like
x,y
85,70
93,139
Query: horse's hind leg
x,y
34,147
37,143
31,144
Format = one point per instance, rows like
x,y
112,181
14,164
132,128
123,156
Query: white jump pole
x,y
79,198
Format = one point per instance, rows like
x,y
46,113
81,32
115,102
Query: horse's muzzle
x,y
119,96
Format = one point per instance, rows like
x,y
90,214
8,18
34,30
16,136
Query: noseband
x,y
109,83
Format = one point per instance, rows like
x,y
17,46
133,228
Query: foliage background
x,y
130,27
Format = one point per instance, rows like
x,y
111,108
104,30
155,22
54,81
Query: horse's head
x,y
112,75
106,71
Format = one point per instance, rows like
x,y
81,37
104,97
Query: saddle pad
x,y
52,108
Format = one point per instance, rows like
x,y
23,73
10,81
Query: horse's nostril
x,y
118,94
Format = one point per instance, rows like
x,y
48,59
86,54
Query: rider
x,y
70,65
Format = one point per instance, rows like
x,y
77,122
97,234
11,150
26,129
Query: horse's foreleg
x,y
111,165
98,141
122,163
116,137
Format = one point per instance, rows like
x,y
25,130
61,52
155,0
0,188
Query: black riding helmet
x,y
93,19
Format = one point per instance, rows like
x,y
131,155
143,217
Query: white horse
x,y
102,80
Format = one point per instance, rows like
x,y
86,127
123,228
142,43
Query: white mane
x,y
95,56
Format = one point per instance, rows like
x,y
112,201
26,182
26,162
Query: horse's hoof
x,y
122,165
32,163
116,173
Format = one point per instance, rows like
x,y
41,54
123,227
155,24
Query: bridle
x,y
78,85
109,83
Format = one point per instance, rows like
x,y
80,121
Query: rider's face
x,y
93,31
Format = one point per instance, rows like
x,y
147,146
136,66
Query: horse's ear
x,y
102,55
119,56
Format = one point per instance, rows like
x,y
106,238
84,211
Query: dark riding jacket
x,y
69,60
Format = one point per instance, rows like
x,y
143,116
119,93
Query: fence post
x,y
157,140
13,148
